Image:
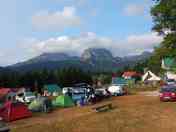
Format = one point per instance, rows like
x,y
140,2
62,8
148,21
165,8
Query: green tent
x,y
41,104
63,101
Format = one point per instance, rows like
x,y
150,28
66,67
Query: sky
x,y
32,27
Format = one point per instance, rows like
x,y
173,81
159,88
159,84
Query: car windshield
x,y
168,90
170,80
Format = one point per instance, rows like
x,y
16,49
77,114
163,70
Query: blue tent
x,y
121,81
52,88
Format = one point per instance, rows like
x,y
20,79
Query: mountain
x,y
47,57
132,60
101,59
93,59
100,54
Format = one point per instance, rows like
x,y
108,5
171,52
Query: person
x,y
69,93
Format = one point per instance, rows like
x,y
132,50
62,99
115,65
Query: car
x,y
82,85
3,126
102,92
25,97
168,93
170,82
116,90
65,90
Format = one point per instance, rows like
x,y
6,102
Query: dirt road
x,y
135,113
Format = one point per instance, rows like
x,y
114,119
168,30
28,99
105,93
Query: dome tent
x,y
63,101
12,111
41,104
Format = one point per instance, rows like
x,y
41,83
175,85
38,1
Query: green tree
x,y
164,17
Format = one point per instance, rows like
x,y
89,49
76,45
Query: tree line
x,y
32,79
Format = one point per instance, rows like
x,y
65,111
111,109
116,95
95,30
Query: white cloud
x,y
75,45
57,20
133,44
134,10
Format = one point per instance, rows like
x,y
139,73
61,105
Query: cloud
x,y
57,20
134,10
75,45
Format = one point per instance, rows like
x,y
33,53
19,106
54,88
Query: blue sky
x,y
31,27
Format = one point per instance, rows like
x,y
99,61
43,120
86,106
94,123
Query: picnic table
x,y
103,108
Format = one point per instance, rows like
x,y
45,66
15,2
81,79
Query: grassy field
x,y
134,113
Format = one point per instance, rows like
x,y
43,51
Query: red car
x,y
168,93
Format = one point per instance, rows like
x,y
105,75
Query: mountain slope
x,y
98,60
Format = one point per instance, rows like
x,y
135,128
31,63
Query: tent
x,y
3,95
149,76
41,104
168,63
14,110
52,89
119,81
63,101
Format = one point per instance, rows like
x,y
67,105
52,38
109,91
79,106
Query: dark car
x,y
3,126
168,93
82,85
170,82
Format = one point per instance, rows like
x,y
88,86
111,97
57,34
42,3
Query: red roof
x,y
131,74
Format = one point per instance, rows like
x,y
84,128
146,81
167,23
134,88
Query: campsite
x,y
123,105
88,66
132,113
131,101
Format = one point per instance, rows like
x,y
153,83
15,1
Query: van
x,y
25,97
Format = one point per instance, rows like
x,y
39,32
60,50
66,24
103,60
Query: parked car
x,y
170,82
25,97
65,90
3,126
103,93
168,93
78,94
82,85
116,90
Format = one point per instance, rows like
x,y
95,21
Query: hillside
x,y
99,60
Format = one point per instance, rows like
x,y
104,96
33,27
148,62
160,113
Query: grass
x,y
132,114
134,89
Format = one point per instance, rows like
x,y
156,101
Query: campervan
x,y
116,90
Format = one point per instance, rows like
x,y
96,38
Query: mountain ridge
x,y
93,59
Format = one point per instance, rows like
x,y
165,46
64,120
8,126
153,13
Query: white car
x,y
25,97
66,89
116,90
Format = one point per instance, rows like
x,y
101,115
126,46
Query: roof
x,y
52,88
150,76
130,74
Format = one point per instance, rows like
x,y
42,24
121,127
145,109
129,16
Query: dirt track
x,y
136,113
